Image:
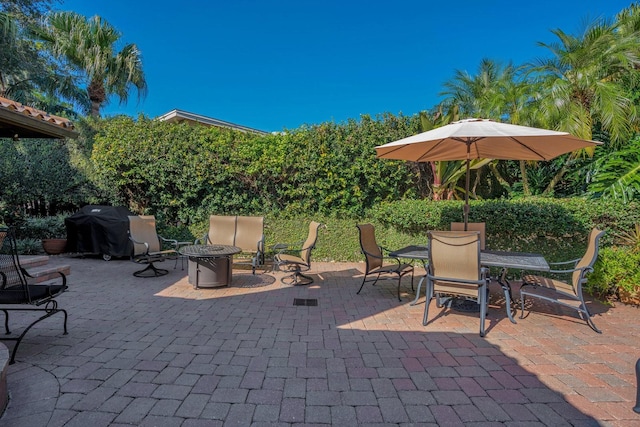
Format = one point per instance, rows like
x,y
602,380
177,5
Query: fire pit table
x,y
209,265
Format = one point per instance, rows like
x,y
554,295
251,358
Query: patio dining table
x,y
504,260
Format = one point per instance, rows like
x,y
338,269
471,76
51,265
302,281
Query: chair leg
x,y
583,311
49,310
522,300
297,279
362,285
364,280
151,271
181,258
429,295
482,297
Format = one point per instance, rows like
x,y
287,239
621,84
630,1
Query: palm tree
x,y
582,84
31,78
496,92
479,95
88,45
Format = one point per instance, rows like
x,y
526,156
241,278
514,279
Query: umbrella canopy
x,y
482,139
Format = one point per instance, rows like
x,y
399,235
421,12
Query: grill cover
x,y
99,230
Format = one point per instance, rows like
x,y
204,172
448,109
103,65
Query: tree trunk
x,y
557,178
503,182
526,190
97,96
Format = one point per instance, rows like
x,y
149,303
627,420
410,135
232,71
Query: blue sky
x,y
275,65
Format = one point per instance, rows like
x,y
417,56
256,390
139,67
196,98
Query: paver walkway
x,y
156,352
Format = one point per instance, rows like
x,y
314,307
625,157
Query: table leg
x,y
506,288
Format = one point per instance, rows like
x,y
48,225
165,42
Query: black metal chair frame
x,y
15,290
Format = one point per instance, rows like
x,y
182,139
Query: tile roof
x,y
21,121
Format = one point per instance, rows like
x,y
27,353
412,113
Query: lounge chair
x,y
376,260
19,295
555,290
454,270
295,259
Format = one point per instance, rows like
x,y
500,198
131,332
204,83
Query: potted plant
x,y
51,231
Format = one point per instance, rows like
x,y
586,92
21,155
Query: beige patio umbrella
x,y
482,139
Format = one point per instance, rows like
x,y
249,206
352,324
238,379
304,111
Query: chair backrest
x,y
10,273
370,248
472,226
222,229
455,255
142,228
591,254
310,243
249,233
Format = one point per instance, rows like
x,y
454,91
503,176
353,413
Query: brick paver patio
x,y
156,352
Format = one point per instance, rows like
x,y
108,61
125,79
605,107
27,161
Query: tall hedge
x,y
555,227
184,172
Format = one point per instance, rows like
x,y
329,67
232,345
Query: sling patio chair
x,y
244,232
18,294
147,246
295,259
472,226
376,261
455,270
569,293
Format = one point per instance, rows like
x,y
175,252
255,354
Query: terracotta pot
x,y
54,246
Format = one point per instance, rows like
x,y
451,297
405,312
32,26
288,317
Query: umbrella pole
x,y
466,189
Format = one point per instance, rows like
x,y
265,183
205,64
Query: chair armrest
x,y
482,281
389,257
288,247
146,245
202,240
172,242
177,245
573,261
26,274
573,270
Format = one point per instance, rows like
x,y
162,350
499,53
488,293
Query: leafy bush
x,y
48,227
616,268
28,246
557,228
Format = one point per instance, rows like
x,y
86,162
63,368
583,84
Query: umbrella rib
x,y
466,141
528,148
433,147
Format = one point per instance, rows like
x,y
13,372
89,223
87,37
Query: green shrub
x,y
557,228
617,268
179,233
47,227
28,246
